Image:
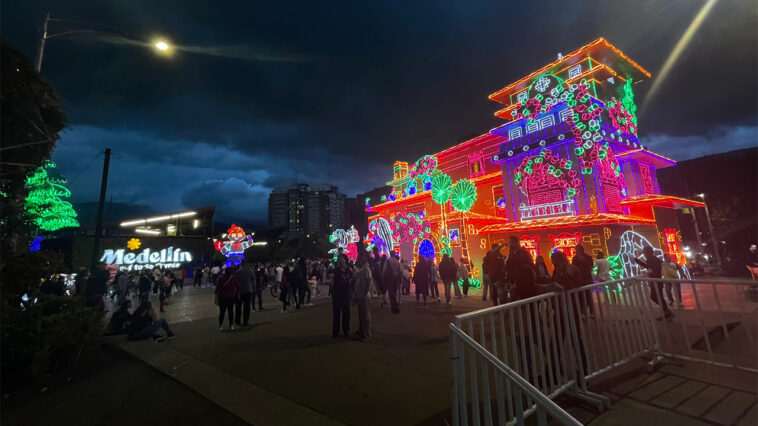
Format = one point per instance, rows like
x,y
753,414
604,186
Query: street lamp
x,y
710,229
161,46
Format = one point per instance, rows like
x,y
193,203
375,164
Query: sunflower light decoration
x,y
463,195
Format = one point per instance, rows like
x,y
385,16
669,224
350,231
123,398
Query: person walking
x,y
752,261
585,264
227,291
653,265
670,270
464,276
449,275
341,299
245,280
299,282
406,288
363,282
495,265
144,285
392,273
422,276
486,282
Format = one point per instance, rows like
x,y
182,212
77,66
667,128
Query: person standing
x,y
341,299
569,277
486,283
520,271
80,283
422,276
97,287
654,266
144,286
215,270
362,290
406,288
299,282
540,271
434,290
227,291
245,279
261,276
284,287
752,261
585,264
449,274
464,276
495,265
603,273
391,275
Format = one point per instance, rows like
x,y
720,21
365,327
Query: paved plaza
x,y
286,369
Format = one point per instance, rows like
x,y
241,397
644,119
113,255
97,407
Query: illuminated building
x,y
565,168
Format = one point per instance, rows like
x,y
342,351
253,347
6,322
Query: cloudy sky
x,y
264,93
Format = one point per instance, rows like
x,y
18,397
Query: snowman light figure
x,y
235,245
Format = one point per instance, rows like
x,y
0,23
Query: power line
x,y
71,182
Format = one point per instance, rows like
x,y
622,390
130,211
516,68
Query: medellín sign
x,y
165,258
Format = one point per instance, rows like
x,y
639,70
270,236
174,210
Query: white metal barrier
x,y
487,375
558,341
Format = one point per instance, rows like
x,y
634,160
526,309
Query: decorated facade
x,y
566,168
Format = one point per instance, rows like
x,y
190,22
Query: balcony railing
x,y
540,211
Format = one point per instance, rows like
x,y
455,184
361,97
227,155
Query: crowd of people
x,y
352,284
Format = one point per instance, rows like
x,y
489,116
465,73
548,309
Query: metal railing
x,y
558,341
515,398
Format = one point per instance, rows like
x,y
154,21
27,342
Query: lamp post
x,y
710,229
161,46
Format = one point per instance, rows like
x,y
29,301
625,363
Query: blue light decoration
x,y
427,183
35,244
392,197
426,249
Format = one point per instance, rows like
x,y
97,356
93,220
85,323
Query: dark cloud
x,y
362,84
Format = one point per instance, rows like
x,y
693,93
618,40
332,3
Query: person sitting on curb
x,y
145,324
119,322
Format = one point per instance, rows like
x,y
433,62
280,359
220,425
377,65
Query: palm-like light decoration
x,y
441,185
463,195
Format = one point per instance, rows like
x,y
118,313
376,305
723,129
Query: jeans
x,y
340,315
284,297
226,305
485,286
447,284
364,317
257,293
392,288
153,328
657,297
677,292
243,308
300,296
434,290
308,293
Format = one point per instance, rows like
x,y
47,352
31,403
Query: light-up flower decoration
x,y
133,244
441,185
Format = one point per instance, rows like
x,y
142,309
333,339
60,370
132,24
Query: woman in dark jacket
x,y
422,276
227,291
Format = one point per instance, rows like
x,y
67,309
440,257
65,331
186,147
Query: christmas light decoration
x,y
463,195
426,249
345,240
624,114
566,243
235,245
531,244
133,244
410,227
380,236
441,185
445,246
631,247
44,204
423,166
546,169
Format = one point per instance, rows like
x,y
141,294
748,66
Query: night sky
x,y
264,93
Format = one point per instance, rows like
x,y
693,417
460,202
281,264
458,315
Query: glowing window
x,y
575,71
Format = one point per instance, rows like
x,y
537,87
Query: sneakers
x,y
448,302
170,336
231,327
282,311
221,328
160,339
309,304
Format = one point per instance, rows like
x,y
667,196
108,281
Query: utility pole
x,y
41,49
716,250
100,209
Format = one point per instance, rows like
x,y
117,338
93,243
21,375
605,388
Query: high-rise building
x,y
302,207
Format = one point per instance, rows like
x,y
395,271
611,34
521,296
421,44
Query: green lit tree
x,y
44,204
463,195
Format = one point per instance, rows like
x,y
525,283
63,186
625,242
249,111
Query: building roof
x,y
566,222
646,157
604,53
657,200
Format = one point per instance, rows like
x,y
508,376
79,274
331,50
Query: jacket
x,y
244,279
227,287
362,282
448,270
342,283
